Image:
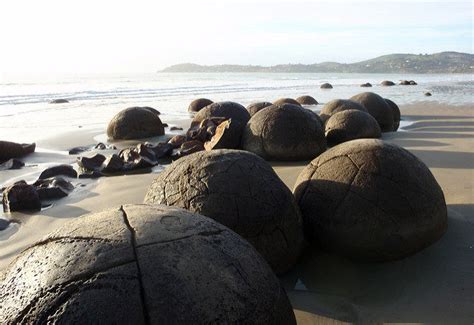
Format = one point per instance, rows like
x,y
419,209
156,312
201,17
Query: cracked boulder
x,y
285,132
227,135
142,264
378,108
350,125
241,191
339,105
396,114
225,110
255,107
135,123
370,200
198,104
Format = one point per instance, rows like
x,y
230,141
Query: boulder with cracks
x,y
142,264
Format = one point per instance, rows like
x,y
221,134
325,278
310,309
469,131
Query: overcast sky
x,y
41,36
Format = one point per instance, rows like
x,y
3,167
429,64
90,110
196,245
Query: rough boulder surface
x,y
378,108
396,114
282,101
338,105
255,107
142,264
286,132
198,104
307,100
135,123
9,150
350,125
370,200
225,110
241,191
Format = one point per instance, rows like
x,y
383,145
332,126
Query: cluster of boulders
x,y
408,83
51,185
391,83
10,151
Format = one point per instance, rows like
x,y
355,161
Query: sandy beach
x,y
433,286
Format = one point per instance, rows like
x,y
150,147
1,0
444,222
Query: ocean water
x,y
26,115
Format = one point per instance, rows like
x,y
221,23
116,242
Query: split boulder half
x,y
141,264
370,200
241,191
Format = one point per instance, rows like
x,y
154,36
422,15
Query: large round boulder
x,y
241,191
198,104
370,200
282,101
378,108
227,110
339,105
387,83
255,107
135,123
286,132
396,114
307,100
350,125
141,264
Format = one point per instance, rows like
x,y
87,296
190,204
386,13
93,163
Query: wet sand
x,y
434,286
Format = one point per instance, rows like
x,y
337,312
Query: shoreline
x,y
435,285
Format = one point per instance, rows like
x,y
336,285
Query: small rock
x,y
57,181
387,83
175,128
12,164
428,94
20,197
413,83
367,84
4,223
112,164
326,86
188,148
59,101
100,146
76,150
51,193
404,83
177,141
92,174
65,170
91,163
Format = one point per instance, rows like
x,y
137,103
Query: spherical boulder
x,y
241,191
198,104
282,101
387,83
326,86
366,85
135,123
307,100
141,264
370,200
396,114
286,132
378,108
226,110
339,105
255,107
349,125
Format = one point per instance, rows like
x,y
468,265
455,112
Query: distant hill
x,y
444,62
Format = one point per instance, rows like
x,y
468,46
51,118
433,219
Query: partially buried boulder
x,y
349,125
366,85
339,105
255,107
307,100
241,191
9,150
59,101
135,123
282,101
20,197
396,113
378,108
285,132
141,264
198,104
326,86
12,164
370,200
387,83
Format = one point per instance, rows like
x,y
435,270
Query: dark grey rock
x,y
371,200
427,94
59,101
4,223
387,83
396,114
326,86
286,132
307,100
12,164
135,123
64,170
20,197
91,163
198,104
378,108
366,85
113,164
9,150
241,191
142,264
